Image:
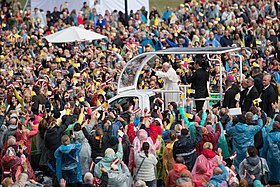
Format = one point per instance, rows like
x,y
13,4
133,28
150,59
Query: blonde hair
x,y
7,182
65,140
207,145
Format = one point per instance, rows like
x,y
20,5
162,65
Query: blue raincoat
x,y
216,180
68,163
243,137
271,152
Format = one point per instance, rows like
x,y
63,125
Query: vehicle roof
x,y
198,50
148,92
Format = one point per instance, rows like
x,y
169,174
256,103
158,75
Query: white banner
x,y
110,5
50,4
119,5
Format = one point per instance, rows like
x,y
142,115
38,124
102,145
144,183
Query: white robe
x,y
170,83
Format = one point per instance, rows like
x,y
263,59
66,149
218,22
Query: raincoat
x,y
200,178
208,158
243,137
11,164
216,180
175,174
85,154
190,125
67,159
209,137
222,142
167,159
25,138
253,166
119,179
105,162
271,152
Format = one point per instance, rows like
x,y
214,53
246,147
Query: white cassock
x,y
170,83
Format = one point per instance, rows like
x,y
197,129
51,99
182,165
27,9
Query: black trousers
x,y
198,105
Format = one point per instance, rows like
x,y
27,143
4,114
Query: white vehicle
x,y
128,80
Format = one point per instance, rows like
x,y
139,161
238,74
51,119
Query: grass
x,y
160,4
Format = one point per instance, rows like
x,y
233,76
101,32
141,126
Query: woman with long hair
x,y
145,166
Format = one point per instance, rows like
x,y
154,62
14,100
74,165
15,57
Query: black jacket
x,y
258,82
53,137
37,101
229,99
186,145
98,147
246,100
199,81
268,96
226,41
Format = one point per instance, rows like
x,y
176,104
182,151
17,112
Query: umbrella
x,y
72,34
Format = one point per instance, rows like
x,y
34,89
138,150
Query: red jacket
x,y
200,179
175,174
25,138
209,137
155,131
130,132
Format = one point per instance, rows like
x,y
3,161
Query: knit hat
x,y
142,134
210,129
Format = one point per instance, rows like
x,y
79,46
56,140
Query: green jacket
x,y
105,162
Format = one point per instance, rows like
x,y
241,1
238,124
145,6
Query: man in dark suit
x,y
199,81
268,96
258,77
229,99
250,93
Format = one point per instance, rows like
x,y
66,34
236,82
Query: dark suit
x,y
199,81
258,82
229,99
246,98
268,97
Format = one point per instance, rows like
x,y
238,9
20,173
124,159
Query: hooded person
x,y
220,175
110,155
208,158
85,153
11,164
175,173
116,177
243,136
185,180
209,136
200,178
271,152
252,165
68,161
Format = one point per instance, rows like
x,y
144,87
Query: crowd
x,y
51,135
